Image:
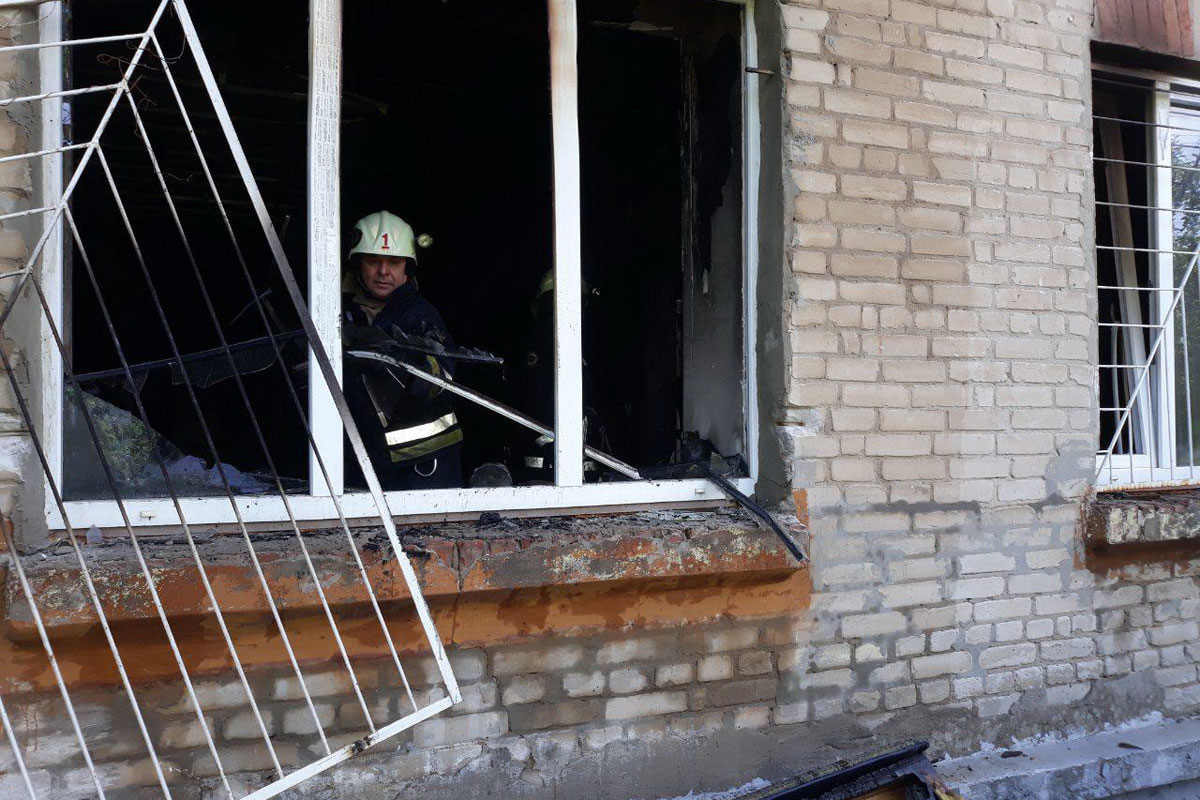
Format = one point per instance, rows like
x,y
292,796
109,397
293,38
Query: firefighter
x,y
407,424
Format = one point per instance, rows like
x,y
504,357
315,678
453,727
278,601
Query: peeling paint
x,y
575,577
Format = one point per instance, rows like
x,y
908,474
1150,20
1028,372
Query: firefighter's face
x,y
382,275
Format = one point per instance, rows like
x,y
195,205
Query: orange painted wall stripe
x,y
464,621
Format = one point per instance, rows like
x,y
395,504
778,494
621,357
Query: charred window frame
x,y
324,252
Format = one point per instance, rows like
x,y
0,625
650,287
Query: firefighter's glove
x,y
365,348
362,337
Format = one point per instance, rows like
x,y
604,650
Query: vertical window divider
x,y
50,69
1163,271
751,168
568,335
324,233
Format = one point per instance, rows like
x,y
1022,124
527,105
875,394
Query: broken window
x,y
119,442
450,115
1147,178
458,141
266,88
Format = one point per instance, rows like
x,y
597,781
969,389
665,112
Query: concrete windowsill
x,y
450,560
1121,518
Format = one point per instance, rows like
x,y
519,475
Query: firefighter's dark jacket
x,y
403,419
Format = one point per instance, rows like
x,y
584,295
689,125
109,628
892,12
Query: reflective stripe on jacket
x,y
403,419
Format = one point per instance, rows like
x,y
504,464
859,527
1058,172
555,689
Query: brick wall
x,y
18,134
941,324
532,715
944,370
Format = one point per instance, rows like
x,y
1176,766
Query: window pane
x,y
1184,153
446,111
266,90
661,149
1124,228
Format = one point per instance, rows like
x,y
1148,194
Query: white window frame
x,y
569,493
1160,466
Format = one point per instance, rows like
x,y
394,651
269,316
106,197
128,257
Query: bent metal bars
x,y
24,286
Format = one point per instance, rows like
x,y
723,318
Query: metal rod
x,y
1147,87
198,355
496,406
218,464
29,212
322,359
37,153
36,615
1143,124
297,403
1127,162
30,98
1109,203
349,751
245,398
1143,250
14,48
174,495
1139,288
17,756
1128,325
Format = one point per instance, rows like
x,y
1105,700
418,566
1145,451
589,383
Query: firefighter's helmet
x,y
383,234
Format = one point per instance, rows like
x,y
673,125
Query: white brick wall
x,y
942,325
928,256
16,454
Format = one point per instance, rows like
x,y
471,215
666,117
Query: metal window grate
x,y
24,288
1146,162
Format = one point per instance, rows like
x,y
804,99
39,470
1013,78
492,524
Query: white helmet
x,y
383,234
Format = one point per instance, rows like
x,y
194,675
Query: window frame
x,y
1160,466
570,492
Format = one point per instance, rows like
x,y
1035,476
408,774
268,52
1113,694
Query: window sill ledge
x,y
436,505
1118,518
450,560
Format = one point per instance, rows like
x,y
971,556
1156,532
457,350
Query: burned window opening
x,y
266,87
661,120
459,146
